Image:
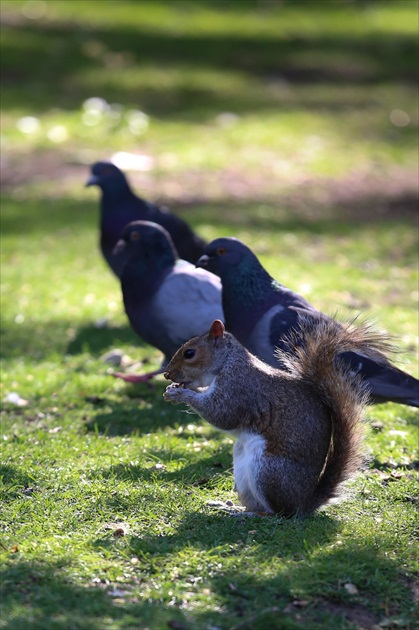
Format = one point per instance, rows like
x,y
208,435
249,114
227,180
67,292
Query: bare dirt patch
x,y
356,614
361,195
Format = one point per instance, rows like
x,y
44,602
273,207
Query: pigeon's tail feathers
x,y
386,382
399,394
316,361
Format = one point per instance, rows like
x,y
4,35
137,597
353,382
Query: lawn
x,y
290,125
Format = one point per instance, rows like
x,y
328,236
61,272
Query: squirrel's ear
x,y
217,329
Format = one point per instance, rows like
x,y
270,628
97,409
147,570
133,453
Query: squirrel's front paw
x,y
173,393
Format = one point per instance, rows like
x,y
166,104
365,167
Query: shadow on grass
x,y
198,473
299,567
387,466
50,53
94,340
42,216
39,595
140,411
317,208
42,595
41,339
14,480
204,530
32,340
384,592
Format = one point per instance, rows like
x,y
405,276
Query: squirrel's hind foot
x,y
235,510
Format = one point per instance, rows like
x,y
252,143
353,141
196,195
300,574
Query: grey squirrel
x,y
298,432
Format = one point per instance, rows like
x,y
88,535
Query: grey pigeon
x,y
167,300
259,311
120,206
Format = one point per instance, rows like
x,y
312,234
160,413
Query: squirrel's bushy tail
x,y
314,359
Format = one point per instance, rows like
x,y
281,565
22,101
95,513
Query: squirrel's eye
x,y
189,353
134,236
220,251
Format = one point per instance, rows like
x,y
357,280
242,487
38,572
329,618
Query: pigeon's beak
x,y
93,181
119,247
203,261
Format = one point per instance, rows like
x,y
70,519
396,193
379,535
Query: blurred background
x,y
308,106
292,125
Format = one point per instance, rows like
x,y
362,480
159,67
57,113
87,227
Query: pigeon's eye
x,y
220,251
134,236
189,353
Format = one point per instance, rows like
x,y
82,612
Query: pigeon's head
x,y
108,177
224,255
148,242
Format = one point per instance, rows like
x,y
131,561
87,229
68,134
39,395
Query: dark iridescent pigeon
x,y
258,311
167,300
120,206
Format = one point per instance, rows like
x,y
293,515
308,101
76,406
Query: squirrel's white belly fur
x,y
248,456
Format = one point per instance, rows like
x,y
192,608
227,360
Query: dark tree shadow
x,y
42,595
130,415
55,53
192,474
95,340
212,528
40,339
47,215
16,481
39,595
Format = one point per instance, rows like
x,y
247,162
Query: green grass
x,y
265,121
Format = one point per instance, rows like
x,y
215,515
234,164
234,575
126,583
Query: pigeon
x,y
259,311
167,299
120,206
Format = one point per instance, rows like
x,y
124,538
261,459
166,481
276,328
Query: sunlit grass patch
x,y
293,130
